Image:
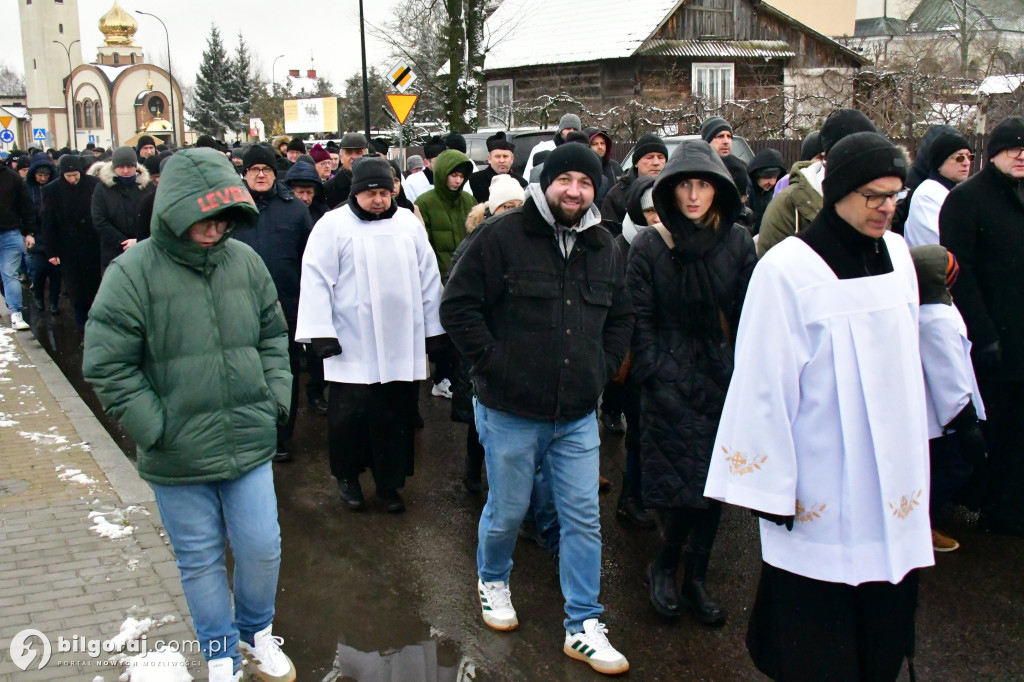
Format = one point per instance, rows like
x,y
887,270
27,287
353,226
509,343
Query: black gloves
x,y
989,356
786,521
968,434
325,348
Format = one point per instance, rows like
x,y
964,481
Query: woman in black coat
x,y
688,280
69,234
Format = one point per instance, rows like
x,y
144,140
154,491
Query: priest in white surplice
x,y
823,434
369,306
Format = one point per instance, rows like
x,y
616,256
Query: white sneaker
x,y
222,670
272,665
496,604
592,647
18,322
441,390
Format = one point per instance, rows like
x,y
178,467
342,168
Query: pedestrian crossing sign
x,y
39,134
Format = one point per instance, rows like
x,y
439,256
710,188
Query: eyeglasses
x,y
1014,152
260,170
960,158
878,200
218,226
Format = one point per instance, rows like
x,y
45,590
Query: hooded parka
x,y
759,198
444,211
187,346
687,301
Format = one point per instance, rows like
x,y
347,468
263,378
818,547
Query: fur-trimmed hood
x,y
105,172
477,215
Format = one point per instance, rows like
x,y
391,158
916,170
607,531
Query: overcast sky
x,y
327,28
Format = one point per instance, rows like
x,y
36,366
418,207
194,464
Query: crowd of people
x,y
777,337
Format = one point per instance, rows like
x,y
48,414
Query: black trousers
x,y
371,426
295,351
315,385
803,629
1003,478
45,270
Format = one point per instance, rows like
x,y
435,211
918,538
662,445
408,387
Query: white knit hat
x,y
504,188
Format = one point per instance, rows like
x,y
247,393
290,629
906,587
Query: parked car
x,y
524,141
740,149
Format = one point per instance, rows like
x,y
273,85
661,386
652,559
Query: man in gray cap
x,y
353,146
567,124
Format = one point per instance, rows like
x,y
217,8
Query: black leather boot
x,y
631,509
351,493
661,580
694,595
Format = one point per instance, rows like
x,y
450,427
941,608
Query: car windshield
x,y
740,149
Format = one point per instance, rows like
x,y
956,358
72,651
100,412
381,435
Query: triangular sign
x,y
402,105
5,121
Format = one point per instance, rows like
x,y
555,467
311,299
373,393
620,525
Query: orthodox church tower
x,y
44,24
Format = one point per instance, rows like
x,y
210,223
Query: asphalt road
x,y
371,596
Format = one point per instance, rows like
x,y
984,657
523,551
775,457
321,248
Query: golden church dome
x,y
117,26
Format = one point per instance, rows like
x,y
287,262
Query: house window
x,y
88,114
499,104
78,114
133,57
713,83
99,113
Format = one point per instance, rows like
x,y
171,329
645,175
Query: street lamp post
x,y
170,77
273,71
72,141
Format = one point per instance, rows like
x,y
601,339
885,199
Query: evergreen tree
x,y
242,86
212,110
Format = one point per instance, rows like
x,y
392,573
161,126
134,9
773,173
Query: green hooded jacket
x,y
444,211
187,346
795,208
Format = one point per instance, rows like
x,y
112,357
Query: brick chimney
x,y
293,73
311,74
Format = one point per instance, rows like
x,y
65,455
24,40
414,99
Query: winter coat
x,y
794,208
35,192
687,302
613,208
279,239
480,183
611,170
543,333
115,208
15,203
444,211
306,172
69,234
186,346
462,382
980,222
145,216
336,189
759,198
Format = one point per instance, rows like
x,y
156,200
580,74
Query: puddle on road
x,y
430,660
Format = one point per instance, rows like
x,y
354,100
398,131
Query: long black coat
x,y
684,374
69,235
982,224
115,210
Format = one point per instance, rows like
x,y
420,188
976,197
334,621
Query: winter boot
x,y
661,580
694,595
630,508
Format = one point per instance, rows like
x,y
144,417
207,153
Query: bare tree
x,y
11,82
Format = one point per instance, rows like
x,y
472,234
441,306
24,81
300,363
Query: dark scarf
x,y
849,253
694,246
942,180
402,200
366,216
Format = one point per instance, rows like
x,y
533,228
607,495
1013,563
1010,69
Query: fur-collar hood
x,y
105,172
477,215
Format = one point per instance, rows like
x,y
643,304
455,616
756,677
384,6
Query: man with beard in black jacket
x,y
980,223
538,305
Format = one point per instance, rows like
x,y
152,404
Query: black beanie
x,y
259,153
371,172
297,145
455,141
943,146
711,127
1008,133
145,140
843,122
571,157
858,159
649,142
206,141
811,146
433,148
578,136
152,164
69,163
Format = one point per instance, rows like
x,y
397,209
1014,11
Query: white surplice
x,y
375,287
950,382
825,418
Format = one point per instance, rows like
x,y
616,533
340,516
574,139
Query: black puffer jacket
x,y
613,208
543,333
15,204
687,302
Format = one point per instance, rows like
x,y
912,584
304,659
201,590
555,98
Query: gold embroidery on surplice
x,y
739,465
906,505
805,514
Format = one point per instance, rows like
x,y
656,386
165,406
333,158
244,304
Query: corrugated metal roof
x,y
724,49
880,26
983,15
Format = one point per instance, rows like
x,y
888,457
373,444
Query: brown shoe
x,y
603,484
943,543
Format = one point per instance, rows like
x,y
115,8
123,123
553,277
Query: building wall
x,y
46,63
90,85
829,17
870,9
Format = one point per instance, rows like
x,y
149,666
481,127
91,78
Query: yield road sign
x,y
402,105
6,136
5,121
39,134
401,76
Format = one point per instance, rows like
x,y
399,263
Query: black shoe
x,y
393,501
473,485
694,595
632,510
612,424
318,406
662,585
351,494
40,304
54,310
282,454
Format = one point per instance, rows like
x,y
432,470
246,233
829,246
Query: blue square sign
x,y
39,134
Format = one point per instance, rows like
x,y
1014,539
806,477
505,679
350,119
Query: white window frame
x,y
713,98
499,121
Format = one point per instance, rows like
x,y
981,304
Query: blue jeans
x,y
201,519
567,455
12,248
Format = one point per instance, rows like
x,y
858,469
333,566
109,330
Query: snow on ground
x,y
163,666
73,475
6,421
43,438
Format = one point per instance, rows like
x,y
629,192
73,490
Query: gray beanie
x,y
124,156
415,161
569,121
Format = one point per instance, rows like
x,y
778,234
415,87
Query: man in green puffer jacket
x,y
187,347
444,208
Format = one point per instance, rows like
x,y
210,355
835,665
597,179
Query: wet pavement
x,y
371,596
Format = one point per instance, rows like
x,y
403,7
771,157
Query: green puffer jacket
x,y
444,211
187,346
794,209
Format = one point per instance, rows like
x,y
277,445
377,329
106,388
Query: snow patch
x,y
119,527
163,666
74,475
43,438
